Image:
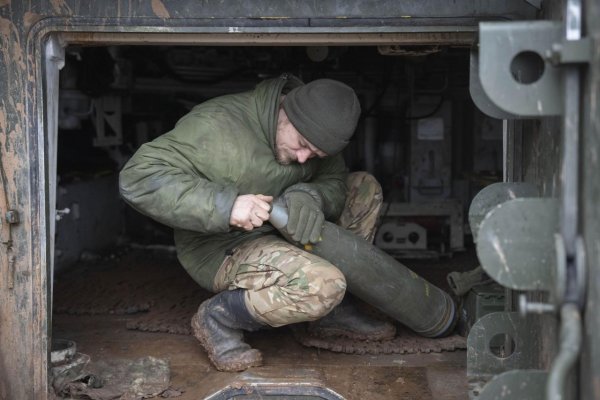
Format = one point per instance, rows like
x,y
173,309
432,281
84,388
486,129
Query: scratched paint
x,y
3,119
30,18
12,107
159,9
12,120
15,263
12,112
61,7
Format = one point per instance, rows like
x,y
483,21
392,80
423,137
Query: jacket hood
x,y
267,95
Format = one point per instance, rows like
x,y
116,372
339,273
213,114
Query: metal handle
x,y
570,346
279,213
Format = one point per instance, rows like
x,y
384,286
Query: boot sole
x,y
254,356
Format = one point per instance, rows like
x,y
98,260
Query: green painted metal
x,y
517,384
589,211
572,52
24,309
380,280
25,161
482,362
480,98
494,195
522,47
482,300
570,347
516,245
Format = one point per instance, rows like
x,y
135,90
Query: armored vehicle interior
x,y
118,289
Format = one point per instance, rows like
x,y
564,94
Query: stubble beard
x,y
281,156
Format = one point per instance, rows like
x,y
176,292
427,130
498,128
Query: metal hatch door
x,y
546,248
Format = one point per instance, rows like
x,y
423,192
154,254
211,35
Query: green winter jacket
x,y
189,177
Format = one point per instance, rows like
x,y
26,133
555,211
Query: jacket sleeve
x,y
162,182
328,183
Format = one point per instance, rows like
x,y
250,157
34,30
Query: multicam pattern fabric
x,y
190,177
286,284
363,204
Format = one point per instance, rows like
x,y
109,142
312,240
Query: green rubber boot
x,y
346,320
218,326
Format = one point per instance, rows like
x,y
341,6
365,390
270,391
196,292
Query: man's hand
x,y
250,211
305,217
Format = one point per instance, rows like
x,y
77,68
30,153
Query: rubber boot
x,y
347,320
218,326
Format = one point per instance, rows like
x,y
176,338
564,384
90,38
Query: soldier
x,y
213,178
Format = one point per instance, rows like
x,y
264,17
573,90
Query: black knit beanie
x,y
325,112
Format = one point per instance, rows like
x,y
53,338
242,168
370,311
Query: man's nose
x,y
303,155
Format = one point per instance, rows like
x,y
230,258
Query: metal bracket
x,y
516,242
560,292
517,384
479,96
498,342
513,68
493,195
534,69
519,67
571,52
481,360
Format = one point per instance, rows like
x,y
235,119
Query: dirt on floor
x,y
104,335
355,377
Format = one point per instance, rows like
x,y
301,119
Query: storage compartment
x,y
119,291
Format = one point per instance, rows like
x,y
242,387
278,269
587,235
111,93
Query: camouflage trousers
x,y
285,284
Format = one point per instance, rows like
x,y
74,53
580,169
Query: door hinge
x,y
12,217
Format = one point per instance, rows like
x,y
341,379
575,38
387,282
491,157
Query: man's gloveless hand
x,y
249,211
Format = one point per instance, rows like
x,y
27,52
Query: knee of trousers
x,y
324,289
311,293
365,182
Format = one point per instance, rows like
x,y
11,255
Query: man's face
x,y
290,145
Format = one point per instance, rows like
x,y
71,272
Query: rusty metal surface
x,y
22,336
293,9
274,38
